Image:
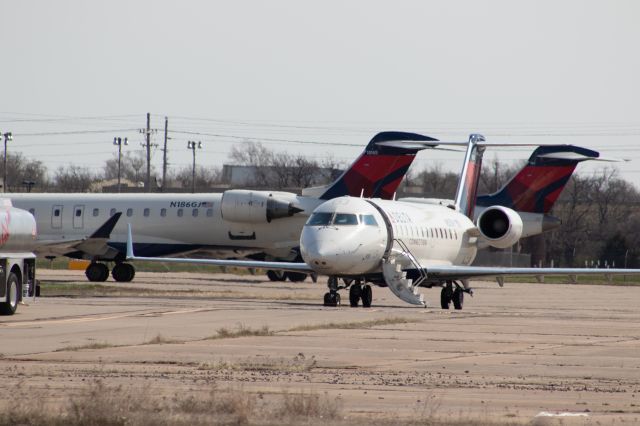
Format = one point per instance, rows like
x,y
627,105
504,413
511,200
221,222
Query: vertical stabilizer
x,y
470,176
378,171
537,186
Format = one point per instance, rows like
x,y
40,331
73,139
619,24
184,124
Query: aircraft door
x,y
56,216
78,217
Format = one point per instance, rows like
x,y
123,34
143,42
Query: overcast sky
x,y
295,73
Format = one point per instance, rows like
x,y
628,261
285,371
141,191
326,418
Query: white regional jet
x,y
404,245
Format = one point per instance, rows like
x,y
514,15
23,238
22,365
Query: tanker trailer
x,y
17,260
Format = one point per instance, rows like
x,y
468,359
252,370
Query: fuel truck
x,y
17,260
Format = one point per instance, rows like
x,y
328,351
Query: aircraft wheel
x,y
446,295
367,296
295,277
355,293
97,272
458,299
13,288
123,272
275,275
331,299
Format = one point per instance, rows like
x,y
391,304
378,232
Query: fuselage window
x,y
180,212
78,212
209,212
56,212
368,219
112,212
194,213
163,212
320,219
345,219
129,212
146,212
96,212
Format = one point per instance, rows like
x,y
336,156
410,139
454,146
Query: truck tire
x,y
13,296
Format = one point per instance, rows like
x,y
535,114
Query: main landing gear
x,y
357,292
452,291
99,272
282,276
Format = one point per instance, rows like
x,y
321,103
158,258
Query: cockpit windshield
x,y
345,219
368,219
341,219
320,219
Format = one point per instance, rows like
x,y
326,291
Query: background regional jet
x,y
404,245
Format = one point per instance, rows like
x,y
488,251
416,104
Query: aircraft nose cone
x,y
330,252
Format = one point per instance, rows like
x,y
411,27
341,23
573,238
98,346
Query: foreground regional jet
x,y
236,223
404,245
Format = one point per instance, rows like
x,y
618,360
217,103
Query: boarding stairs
x,y
393,265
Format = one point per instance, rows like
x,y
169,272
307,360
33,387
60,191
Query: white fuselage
x,y
165,224
434,235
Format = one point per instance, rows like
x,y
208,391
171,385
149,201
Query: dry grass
x,y
103,405
354,324
160,339
241,331
93,345
297,364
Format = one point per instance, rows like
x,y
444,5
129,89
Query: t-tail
x,y
536,187
470,176
378,171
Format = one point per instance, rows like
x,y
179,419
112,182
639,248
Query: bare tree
x,y
205,177
132,166
73,178
21,170
279,169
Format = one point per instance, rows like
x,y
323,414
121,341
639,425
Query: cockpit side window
x,y
345,219
368,219
320,219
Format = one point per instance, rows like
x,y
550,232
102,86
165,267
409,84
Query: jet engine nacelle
x,y
239,205
500,226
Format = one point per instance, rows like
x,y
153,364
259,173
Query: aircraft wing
x,y
93,245
281,266
453,272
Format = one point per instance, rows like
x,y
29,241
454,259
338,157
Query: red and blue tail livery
x,y
538,185
378,171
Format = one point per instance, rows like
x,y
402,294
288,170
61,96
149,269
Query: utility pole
x,y
192,145
164,155
8,136
119,142
148,152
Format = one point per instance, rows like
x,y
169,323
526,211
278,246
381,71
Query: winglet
x,y
105,230
130,255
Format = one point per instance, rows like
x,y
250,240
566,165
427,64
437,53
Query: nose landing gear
x,y
357,293
452,291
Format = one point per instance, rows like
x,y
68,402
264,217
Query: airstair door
x,y
56,216
78,217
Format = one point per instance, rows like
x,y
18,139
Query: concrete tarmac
x,y
512,354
